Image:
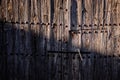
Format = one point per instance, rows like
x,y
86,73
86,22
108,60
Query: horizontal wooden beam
x,y
68,52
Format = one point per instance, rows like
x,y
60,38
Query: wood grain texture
x,y
59,39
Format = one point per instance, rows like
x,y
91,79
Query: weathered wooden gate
x,y
59,39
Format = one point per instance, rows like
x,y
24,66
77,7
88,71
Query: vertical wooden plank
x,y
3,45
104,12
101,11
33,27
27,38
116,29
101,43
97,41
9,11
86,38
90,66
28,45
65,35
108,11
103,53
75,40
66,23
16,36
8,25
83,13
21,26
75,68
73,14
87,60
104,41
48,24
114,68
79,12
56,27
110,29
45,30
22,33
87,10
39,39
114,6
64,32
95,10
10,36
53,39
57,34
85,48
3,9
84,73
118,12
79,23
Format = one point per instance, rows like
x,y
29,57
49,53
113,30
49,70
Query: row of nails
x,y
86,32
54,24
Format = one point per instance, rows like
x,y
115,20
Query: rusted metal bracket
x,y
80,54
70,52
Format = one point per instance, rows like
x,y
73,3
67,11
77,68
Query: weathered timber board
x,y
59,39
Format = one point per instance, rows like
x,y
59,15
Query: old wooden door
x,y
59,39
